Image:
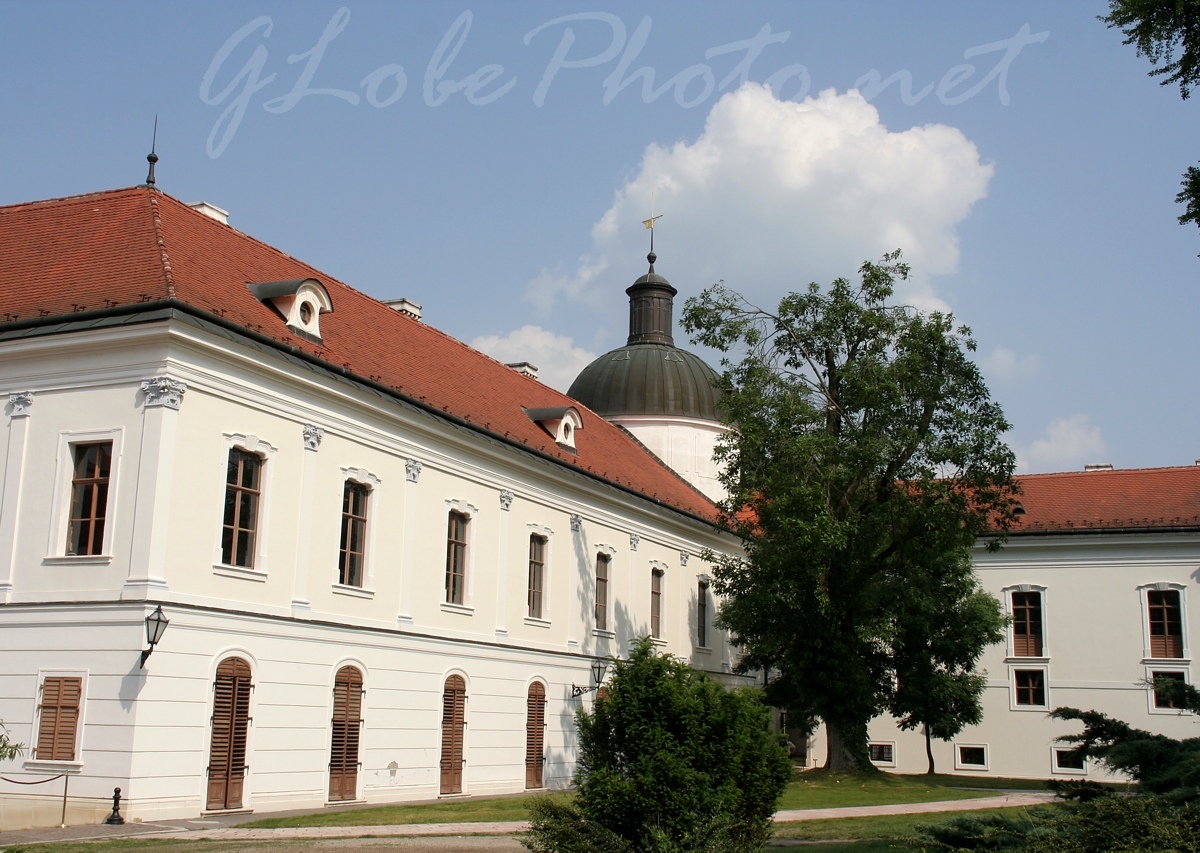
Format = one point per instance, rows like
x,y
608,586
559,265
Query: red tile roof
x,y
1091,501
136,245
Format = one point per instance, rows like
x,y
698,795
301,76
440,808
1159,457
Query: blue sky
x,y
492,162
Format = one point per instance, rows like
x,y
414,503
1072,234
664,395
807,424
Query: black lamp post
x,y
156,624
599,667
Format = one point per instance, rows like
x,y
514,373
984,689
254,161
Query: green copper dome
x,y
648,379
649,375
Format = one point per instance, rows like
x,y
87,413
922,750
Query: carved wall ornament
x,y
312,436
576,522
163,391
506,499
413,469
21,403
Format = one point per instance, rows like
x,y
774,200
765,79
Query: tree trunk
x,y
929,749
839,756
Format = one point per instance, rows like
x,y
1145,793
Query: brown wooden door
x,y
347,724
535,735
230,720
454,719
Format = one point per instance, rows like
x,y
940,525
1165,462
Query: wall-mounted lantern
x,y
156,624
599,667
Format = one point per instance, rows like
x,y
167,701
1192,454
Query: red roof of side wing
x,y
1095,501
125,247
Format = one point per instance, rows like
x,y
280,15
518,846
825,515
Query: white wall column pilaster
x,y
10,499
301,604
162,398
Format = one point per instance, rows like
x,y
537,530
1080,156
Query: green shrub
x,y
670,761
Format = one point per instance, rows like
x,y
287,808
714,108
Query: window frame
x,y
1055,767
658,575
959,764
239,534
889,745
547,535
1011,608
75,763
1015,688
536,579
458,526
354,526
1145,593
601,592
266,452
1184,675
56,546
702,618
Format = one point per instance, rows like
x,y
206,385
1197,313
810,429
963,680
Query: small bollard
x,y
115,818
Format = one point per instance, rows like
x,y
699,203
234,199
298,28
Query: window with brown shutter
x,y
535,735
456,557
230,722
702,614
1166,623
58,718
1027,624
454,719
347,728
354,534
89,498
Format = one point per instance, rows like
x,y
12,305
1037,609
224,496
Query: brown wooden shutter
x,y
347,726
454,718
535,735
1027,624
230,722
58,718
1166,624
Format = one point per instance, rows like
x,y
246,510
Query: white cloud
x,y
1067,445
774,194
558,360
1006,366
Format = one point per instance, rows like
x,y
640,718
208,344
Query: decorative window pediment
x,y
300,301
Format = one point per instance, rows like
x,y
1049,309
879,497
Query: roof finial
x,y
152,157
649,223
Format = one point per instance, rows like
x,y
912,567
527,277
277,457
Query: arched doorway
x,y
454,719
347,725
535,735
231,717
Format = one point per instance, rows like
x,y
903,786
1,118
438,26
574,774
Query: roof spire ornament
x,y
649,223
152,158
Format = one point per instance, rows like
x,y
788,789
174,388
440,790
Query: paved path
x,y
204,829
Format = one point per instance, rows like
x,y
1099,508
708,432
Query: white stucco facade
x,y
1096,653
687,445
148,730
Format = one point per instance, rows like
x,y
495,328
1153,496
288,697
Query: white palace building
x,y
387,563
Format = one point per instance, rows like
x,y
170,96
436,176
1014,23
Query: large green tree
x,y
1167,32
864,461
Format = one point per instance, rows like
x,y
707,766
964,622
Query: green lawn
x,y
815,789
871,834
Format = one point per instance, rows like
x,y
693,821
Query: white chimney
x,y
524,368
211,211
1098,466
404,306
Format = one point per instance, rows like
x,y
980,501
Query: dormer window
x,y
300,303
560,423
